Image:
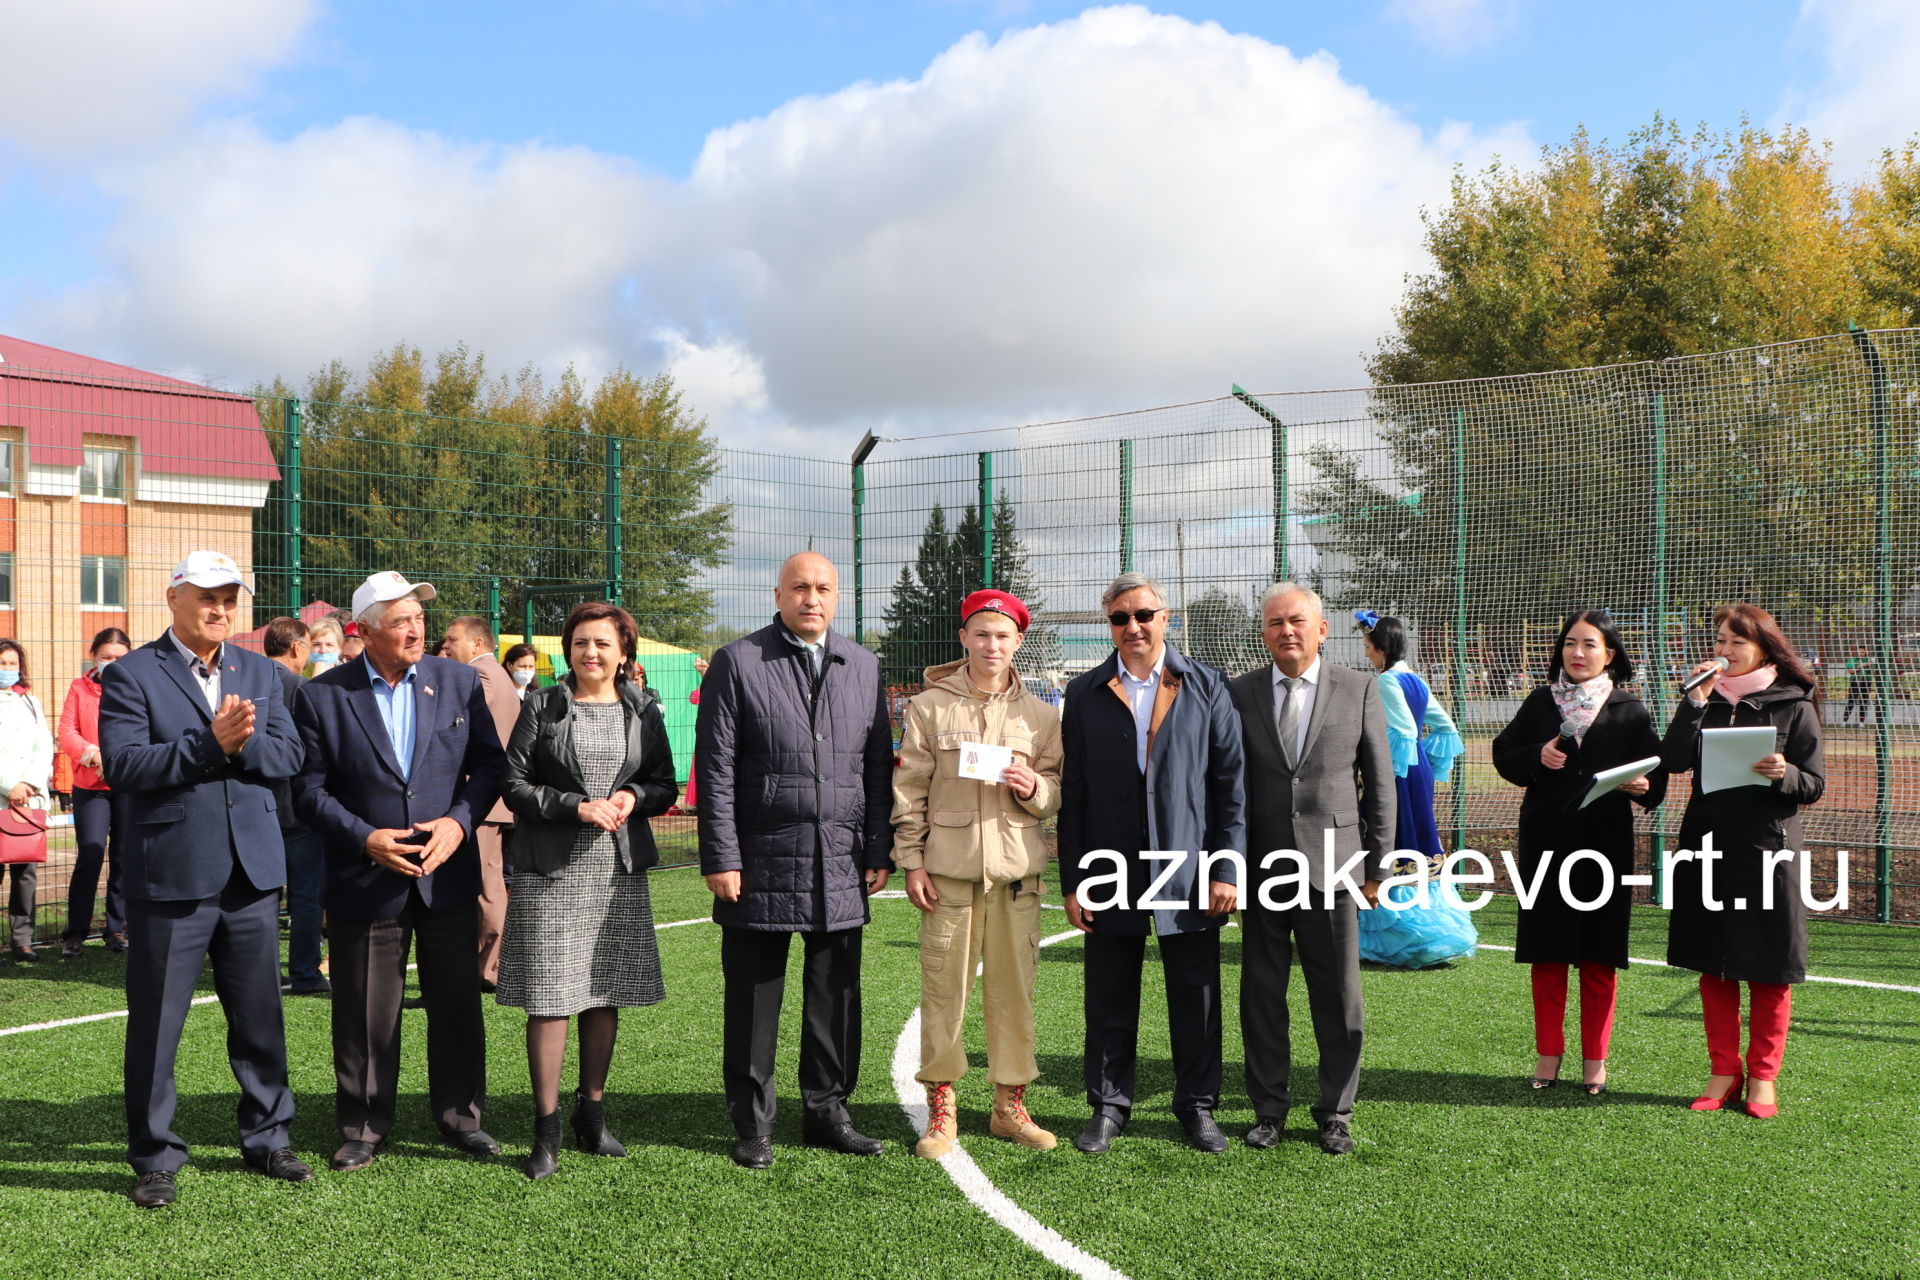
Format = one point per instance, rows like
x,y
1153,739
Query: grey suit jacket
x,y
1343,782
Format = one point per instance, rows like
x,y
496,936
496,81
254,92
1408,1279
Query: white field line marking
x,y
973,1184
1812,977
121,1013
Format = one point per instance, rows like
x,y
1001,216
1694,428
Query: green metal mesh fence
x,y
1481,512
1478,511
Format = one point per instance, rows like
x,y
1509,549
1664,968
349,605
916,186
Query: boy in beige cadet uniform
x,y
973,858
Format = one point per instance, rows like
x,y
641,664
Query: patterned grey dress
x,y
582,938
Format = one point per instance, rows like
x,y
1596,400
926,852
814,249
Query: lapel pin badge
x,y
428,688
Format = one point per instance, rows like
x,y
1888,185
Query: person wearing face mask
x,y
96,824
324,639
1758,934
1582,721
26,776
522,663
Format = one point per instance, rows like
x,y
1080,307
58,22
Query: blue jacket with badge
x,y
183,794
352,784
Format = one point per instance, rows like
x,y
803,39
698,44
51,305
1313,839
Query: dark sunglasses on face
x,y
1119,618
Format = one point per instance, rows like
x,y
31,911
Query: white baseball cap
x,y
381,588
208,569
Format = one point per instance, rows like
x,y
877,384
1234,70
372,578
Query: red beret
x,y
998,602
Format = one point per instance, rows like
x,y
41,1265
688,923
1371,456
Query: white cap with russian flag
x,y
208,569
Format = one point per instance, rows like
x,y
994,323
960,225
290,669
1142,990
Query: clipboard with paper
x,y
1619,776
1727,757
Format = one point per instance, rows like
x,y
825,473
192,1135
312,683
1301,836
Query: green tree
x,y
1606,261
457,478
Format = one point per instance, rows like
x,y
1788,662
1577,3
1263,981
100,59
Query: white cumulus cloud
x,y
81,75
1118,209
1866,97
1456,26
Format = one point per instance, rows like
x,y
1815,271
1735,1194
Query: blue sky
x,y
830,217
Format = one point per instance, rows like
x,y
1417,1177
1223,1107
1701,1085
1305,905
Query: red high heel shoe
x,y
1763,1110
1727,1100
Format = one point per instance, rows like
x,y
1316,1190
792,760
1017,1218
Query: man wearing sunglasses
x,y
1152,779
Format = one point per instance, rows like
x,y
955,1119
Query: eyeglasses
x,y
1120,617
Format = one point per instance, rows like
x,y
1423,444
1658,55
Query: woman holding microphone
x,y
1759,933
1580,723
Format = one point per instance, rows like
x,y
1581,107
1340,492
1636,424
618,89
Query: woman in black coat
x,y
1578,724
1759,934
588,754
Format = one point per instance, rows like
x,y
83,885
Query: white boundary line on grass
x,y
1812,977
975,1185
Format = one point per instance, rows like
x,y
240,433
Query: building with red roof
x,y
108,476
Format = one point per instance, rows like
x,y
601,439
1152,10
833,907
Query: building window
x,y
6,466
103,582
6,579
103,473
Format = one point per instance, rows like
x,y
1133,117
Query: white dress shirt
x,y
210,682
1140,697
1304,695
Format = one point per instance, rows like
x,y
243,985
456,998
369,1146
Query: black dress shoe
x,y
282,1164
845,1139
475,1142
25,955
353,1155
117,943
318,987
1267,1132
1098,1135
752,1153
1334,1138
70,948
154,1190
1203,1133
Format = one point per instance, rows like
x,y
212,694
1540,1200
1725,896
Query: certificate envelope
x,y
984,761
1727,757
1610,779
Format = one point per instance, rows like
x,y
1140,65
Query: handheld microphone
x,y
1694,681
1567,740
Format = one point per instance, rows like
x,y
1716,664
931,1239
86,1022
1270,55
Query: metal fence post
x,y
860,452
1460,620
1659,681
1126,506
295,585
986,517
1282,500
1882,627
493,608
616,527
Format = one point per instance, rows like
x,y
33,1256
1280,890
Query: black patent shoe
x,y
281,1165
1098,1135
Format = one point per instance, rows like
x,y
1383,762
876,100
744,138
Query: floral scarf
x,y
1580,702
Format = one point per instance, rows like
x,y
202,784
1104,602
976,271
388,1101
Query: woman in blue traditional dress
x,y
1425,744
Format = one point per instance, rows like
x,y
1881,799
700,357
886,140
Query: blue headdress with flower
x,y
1367,619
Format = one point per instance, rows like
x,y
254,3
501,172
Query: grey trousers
x,y
1328,942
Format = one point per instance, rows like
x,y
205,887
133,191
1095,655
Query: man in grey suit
x,y
1319,784
470,639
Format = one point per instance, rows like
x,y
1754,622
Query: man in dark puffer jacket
x,y
796,763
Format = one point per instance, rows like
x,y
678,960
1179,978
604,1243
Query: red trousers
x,y
1599,984
1766,1026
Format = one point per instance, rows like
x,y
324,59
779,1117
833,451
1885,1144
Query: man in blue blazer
x,y
193,733
402,761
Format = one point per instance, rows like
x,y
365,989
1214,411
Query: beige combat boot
x,y
942,1129
1011,1121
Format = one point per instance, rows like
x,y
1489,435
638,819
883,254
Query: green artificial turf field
x,y
1460,1171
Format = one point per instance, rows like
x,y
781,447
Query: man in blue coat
x,y
796,829
1153,765
193,734
402,761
